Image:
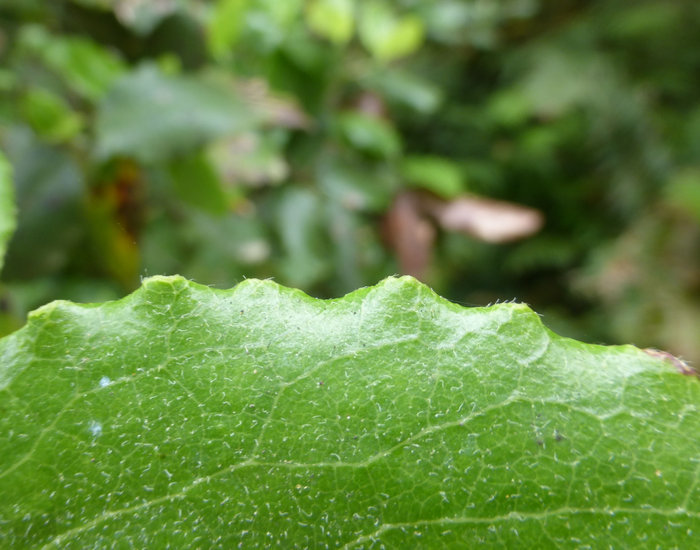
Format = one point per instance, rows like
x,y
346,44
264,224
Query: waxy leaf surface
x,y
187,417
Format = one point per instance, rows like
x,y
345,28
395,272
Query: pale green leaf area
x,y
226,20
186,417
441,176
50,116
8,212
332,19
387,35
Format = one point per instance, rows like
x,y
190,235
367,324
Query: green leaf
x,y
8,213
225,26
299,219
439,175
459,23
355,186
510,108
259,24
50,194
407,89
182,112
86,67
332,19
284,14
50,116
369,134
562,80
235,244
385,34
683,192
197,183
183,416
142,16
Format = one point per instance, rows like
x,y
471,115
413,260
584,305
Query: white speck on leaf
x,y
95,428
105,381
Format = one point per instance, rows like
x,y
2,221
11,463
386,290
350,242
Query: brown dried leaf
x,y
410,234
488,220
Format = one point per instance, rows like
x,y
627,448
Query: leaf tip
x,y
681,366
397,281
157,280
405,284
42,311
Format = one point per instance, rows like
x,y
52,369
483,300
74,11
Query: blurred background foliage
x,y
303,139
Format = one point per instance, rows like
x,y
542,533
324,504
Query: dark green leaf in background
x,y
355,187
369,134
86,68
184,416
49,194
683,192
238,245
150,115
458,23
406,89
197,183
299,220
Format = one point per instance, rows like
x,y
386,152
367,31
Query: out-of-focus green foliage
x,y
259,138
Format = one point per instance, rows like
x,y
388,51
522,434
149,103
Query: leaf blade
x,y
182,414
